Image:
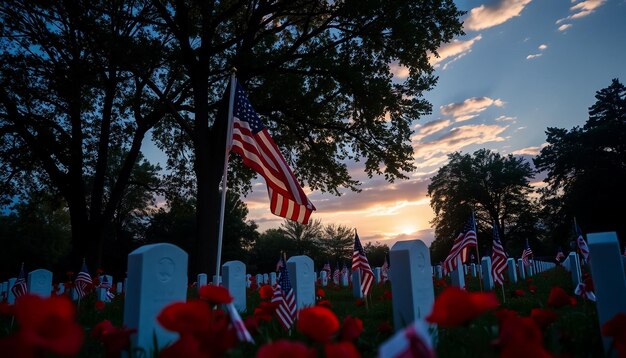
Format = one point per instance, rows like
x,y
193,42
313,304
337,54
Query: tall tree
x,y
72,103
496,187
306,236
319,74
337,242
586,169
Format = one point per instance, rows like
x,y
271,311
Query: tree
x,y
376,253
268,248
306,237
496,187
318,73
337,243
75,108
586,169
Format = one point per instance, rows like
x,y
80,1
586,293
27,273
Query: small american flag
x,y
83,283
259,152
336,275
385,271
527,254
560,255
462,243
19,287
327,268
104,283
240,328
498,257
285,298
582,245
359,262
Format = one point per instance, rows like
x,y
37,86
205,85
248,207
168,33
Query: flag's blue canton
x,y
284,281
358,246
244,111
469,225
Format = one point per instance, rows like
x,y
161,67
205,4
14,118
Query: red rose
x,y
283,348
558,298
265,311
519,293
318,323
360,302
616,328
520,337
351,329
532,288
320,293
325,303
114,339
100,305
543,317
266,292
186,317
215,295
455,306
341,350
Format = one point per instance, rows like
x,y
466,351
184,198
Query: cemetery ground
x,y
574,332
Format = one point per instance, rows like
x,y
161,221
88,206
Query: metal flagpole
x,y
229,134
480,278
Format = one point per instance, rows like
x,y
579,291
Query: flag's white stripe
x,y
267,174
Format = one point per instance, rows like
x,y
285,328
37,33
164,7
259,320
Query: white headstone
x,y
40,282
119,288
520,269
512,270
529,270
10,295
377,274
272,278
302,279
574,268
457,276
266,279
101,292
485,263
474,270
217,280
259,279
412,284
438,272
344,279
324,278
356,284
607,270
201,280
234,273
248,281
464,269
157,277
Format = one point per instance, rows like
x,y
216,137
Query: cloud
x,y
399,71
455,50
430,128
564,27
542,47
486,16
530,57
529,150
506,119
470,108
458,138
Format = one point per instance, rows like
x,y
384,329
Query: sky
x,y
522,66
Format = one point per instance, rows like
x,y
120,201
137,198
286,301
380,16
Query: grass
x,y
575,333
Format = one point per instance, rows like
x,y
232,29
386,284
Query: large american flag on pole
x,y
285,298
498,257
582,245
259,152
527,254
360,262
462,243
19,287
83,283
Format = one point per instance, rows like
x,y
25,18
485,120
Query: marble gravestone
x,y
324,278
248,282
412,284
512,270
302,279
485,263
39,282
272,278
234,275
266,279
259,279
438,272
520,269
607,270
574,268
10,295
344,279
457,275
119,288
356,284
376,272
157,277
201,280
217,280
474,271
101,292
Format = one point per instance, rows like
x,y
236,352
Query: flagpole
x,y
229,134
480,279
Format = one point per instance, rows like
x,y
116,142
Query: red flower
x,y
387,295
543,317
283,348
532,288
114,339
6,309
265,311
266,292
441,283
616,328
48,324
351,329
341,350
325,303
100,305
252,324
320,293
455,306
186,317
519,293
360,302
215,295
318,323
558,298
520,337
385,327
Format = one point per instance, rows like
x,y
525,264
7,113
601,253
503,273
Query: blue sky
x,y
523,66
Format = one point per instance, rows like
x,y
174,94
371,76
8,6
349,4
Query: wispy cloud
x,y
486,16
542,47
453,50
431,127
578,10
530,57
399,71
470,108
458,138
529,150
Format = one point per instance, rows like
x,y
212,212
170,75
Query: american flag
x,y
527,254
19,287
359,262
83,281
285,298
336,275
385,271
560,255
259,152
462,243
498,257
240,328
582,245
